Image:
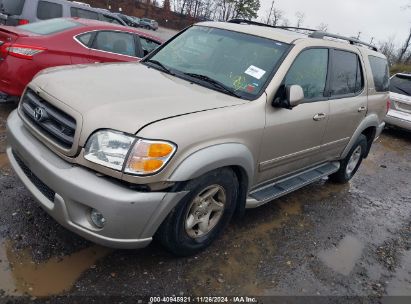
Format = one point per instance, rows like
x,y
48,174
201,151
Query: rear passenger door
x,y
114,46
348,100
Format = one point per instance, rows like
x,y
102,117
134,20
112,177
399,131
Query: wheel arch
x,y
235,156
368,128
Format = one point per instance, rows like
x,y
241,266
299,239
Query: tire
x,y
176,233
350,164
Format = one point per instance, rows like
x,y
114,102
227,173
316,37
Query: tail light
x,y
23,21
388,105
21,51
3,50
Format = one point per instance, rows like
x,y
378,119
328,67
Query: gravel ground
x,y
325,239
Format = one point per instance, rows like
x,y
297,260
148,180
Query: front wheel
x,y
352,162
202,214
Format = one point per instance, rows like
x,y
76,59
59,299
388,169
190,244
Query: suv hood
x,y
126,96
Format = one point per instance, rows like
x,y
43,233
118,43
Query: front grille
x,y
42,187
48,119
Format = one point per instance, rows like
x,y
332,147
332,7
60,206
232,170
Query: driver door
x,y
292,138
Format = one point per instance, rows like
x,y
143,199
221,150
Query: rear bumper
x,y
69,192
399,119
15,74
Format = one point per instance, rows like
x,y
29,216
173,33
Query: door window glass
x,y
49,10
346,75
115,42
82,13
309,71
12,7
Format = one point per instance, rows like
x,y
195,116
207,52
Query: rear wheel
x,y
202,214
352,162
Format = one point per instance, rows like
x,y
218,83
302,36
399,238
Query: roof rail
x,y
321,35
315,33
239,21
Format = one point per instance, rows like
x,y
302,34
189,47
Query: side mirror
x,y
289,97
295,95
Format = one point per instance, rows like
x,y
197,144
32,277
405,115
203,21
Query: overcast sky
x,y
374,18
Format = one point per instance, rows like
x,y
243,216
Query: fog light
x,y
97,218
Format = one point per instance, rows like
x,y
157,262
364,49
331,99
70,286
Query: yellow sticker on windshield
x,y
239,83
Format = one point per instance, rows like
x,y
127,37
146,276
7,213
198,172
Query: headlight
x,y
111,149
108,148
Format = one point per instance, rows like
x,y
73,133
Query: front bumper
x,y
399,119
68,193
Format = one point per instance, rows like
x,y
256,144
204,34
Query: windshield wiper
x,y
162,66
214,82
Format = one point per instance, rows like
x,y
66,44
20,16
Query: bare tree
x,y
404,48
275,15
322,27
285,22
388,48
300,19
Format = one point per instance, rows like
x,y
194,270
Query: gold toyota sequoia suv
x,y
224,116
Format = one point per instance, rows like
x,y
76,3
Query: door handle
x,y
319,116
362,109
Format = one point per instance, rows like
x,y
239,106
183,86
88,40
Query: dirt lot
x,y
326,239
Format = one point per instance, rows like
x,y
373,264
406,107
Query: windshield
x,y
242,63
401,84
48,27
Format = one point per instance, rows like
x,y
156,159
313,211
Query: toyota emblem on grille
x,y
39,114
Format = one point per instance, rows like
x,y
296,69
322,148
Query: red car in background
x,y
27,49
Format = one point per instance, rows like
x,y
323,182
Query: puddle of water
x,y
342,258
20,275
239,264
4,161
400,285
6,278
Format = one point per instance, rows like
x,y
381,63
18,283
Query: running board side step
x,y
270,192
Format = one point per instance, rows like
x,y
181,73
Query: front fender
x,y
214,157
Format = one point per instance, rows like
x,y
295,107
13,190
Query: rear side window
x,y
115,42
148,45
379,68
85,38
49,10
346,73
309,71
13,7
82,13
401,84
49,26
